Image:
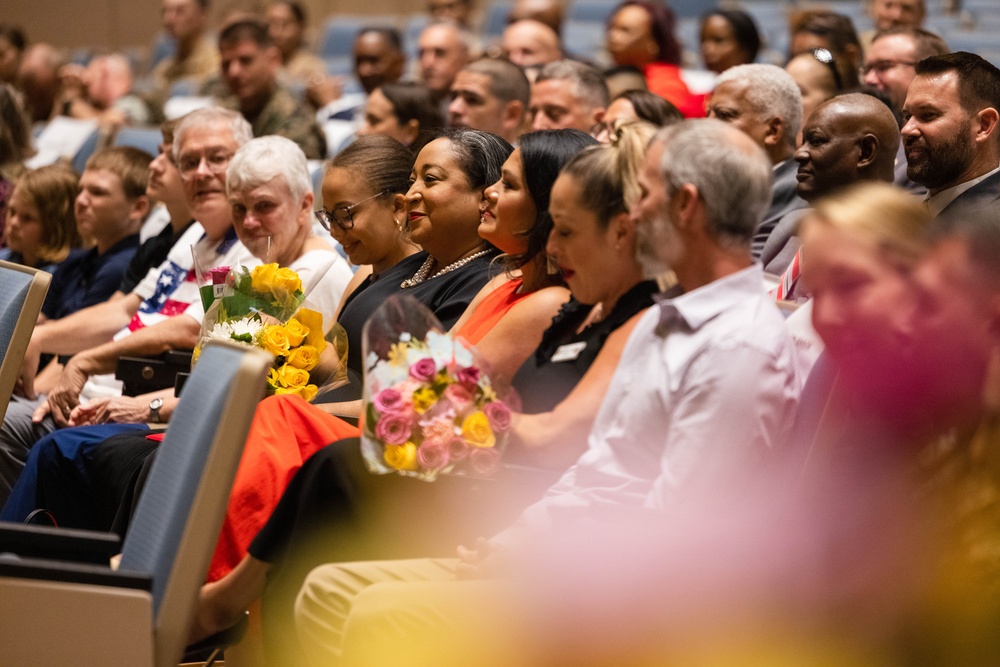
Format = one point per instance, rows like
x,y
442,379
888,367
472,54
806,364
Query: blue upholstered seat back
x,y
13,291
159,522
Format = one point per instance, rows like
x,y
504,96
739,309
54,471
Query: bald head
x,y
849,138
530,43
549,12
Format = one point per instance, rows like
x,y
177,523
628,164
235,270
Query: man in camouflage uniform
x,y
250,66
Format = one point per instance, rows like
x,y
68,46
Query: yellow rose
x,y
289,376
313,322
476,431
285,284
401,457
305,357
262,277
307,392
423,399
274,339
296,332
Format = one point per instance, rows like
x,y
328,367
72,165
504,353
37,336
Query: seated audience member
x,y
818,76
728,37
109,210
286,26
878,235
12,45
641,34
530,44
250,64
41,229
848,139
622,78
404,111
38,79
764,102
658,440
378,60
889,66
458,12
164,186
491,96
633,105
270,193
549,12
958,168
891,14
823,29
205,140
196,60
443,50
15,143
568,94
101,90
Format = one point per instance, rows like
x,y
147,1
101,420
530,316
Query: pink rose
x,y
393,429
424,370
459,396
468,375
498,414
484,461
433,455
219,275
459,450
439,428
389,401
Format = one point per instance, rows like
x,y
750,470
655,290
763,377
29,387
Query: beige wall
x,y
118,24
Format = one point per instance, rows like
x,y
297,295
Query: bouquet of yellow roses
x,y
428,408
263,307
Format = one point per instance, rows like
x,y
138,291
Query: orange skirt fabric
x,y
286,431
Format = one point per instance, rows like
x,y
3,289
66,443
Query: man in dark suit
x,y
764,102
951,133
847,139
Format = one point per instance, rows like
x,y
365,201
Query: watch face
x,y
156,404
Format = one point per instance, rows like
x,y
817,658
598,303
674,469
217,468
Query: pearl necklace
x,y
423,272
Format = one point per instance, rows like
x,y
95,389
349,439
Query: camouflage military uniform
x,y
285,116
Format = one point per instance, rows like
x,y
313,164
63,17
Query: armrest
x,y
72,573
141,375
83,546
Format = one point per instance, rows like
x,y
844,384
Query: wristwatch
x,y
154,410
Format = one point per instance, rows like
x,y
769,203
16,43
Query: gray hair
x,y
732,174
238,125
588,83
771,93
261,160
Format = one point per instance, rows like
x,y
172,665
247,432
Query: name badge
x,y
568,352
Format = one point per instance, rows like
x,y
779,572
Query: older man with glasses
x,y
204,142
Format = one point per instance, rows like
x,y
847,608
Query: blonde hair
x,y
894,222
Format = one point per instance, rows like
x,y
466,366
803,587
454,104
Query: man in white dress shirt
x,y
705,392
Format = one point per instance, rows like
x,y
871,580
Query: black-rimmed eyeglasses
x,y
342,216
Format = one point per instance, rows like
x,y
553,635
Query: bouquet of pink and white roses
x,y
429,409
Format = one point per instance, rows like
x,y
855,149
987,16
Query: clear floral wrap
x,y
428,407
265,307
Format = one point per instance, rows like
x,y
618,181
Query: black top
x,y
150,255
447,296
550,374
87,277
